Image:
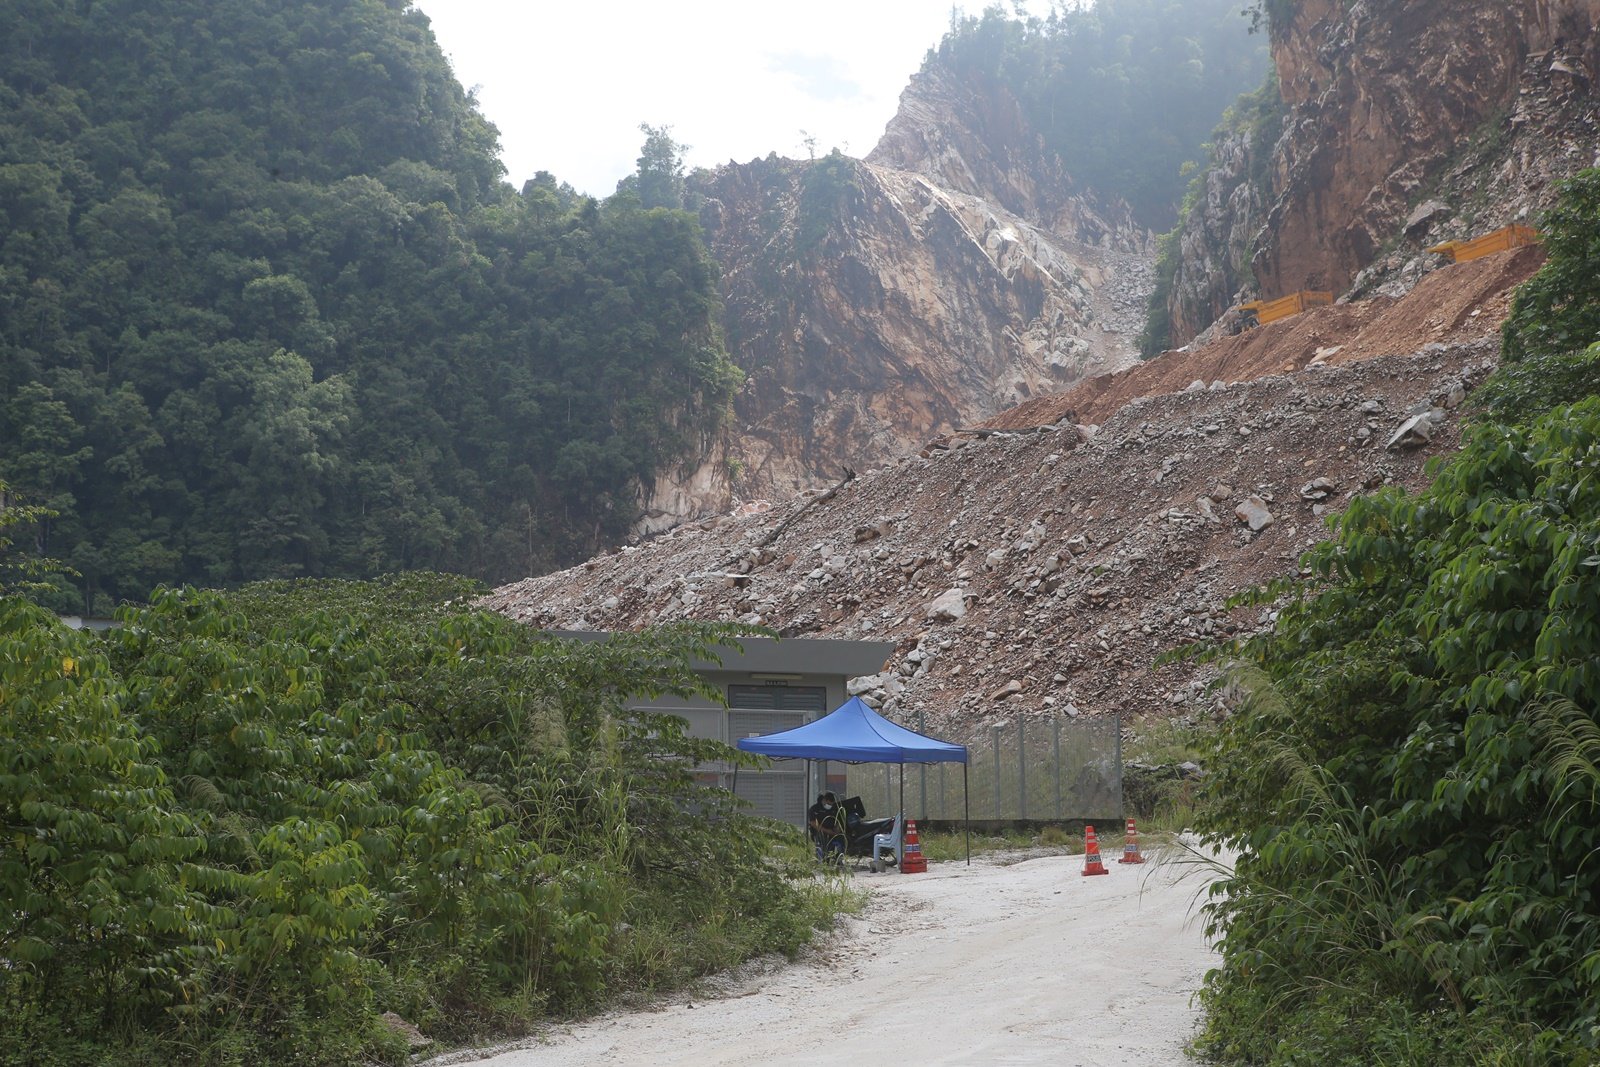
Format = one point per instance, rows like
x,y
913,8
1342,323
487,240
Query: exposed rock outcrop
x,y
1404,124
970,136
876,303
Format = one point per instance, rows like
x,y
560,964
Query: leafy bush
x,y
1559,309
1416,786
247,825
1519,392
1413,786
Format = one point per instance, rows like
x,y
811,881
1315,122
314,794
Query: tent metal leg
x,y
805,829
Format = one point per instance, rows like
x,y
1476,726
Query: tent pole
x,y
805,825
902,789
966,813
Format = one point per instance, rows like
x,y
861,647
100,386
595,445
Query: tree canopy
x,y
1124,91
268,307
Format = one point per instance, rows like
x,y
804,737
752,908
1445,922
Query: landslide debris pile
x,y
1453,305
1024,573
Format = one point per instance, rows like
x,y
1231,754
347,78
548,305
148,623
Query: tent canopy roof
x,y
854,733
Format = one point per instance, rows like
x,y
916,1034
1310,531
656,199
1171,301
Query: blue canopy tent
x,y
854,733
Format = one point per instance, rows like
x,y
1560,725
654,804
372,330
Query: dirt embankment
x,y
1028,573
1453,306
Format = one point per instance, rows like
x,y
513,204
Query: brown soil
x,y
1454,305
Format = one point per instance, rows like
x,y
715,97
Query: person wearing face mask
x,y
823,820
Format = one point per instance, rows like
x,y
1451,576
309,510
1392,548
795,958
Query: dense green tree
x,y
659,177
267,307
23,570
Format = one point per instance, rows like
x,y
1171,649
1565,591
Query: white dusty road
x,y
1021,963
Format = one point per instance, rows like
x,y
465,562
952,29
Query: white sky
x,y
569,83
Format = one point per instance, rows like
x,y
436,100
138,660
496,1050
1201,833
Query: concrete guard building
x,y
772,685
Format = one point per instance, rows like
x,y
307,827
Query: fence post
x,y
1022,767
1118,765
1055,722
996,737
922,773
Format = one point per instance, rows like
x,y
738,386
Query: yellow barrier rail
x,y
1502,240
1266,311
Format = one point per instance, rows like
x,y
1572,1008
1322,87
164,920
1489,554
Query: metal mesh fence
x,y
1054,768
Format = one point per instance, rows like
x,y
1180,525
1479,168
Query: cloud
x,y
819,77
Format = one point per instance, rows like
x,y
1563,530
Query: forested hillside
x,y
267,307
1125,91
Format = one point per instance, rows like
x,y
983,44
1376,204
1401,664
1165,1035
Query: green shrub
x,y
240,828
1414,786
1558,310
1521,391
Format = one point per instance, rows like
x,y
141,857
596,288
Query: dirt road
x,y
1020,963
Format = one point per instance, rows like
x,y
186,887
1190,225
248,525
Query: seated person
x,y
822,818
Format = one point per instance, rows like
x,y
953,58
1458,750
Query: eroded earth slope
x,y
1021,573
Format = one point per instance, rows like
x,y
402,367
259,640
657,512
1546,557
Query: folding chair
x,y
890,841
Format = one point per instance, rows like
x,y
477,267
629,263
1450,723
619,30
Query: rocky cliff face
x,y
1038,565
876,303
1403,124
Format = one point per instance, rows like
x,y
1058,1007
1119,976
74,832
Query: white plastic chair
x,y
890,841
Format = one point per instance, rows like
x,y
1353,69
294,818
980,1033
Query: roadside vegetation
x,y
951,846
1414,783
243,826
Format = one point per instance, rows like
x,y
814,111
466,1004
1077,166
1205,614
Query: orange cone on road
x,y
1091,853
911,859
1130,848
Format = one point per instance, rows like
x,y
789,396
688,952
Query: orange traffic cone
x,y
911,861
1091,853
1130,847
